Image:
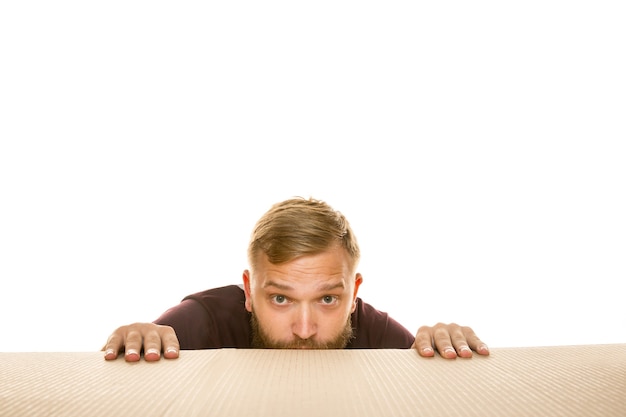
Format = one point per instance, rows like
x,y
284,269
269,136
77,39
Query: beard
x,y
261,340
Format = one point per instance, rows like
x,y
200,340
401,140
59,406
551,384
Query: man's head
x,y
302,284
299,227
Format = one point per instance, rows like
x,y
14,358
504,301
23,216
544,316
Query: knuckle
x,y
424,329
152,337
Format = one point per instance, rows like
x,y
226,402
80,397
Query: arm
x,y
184,326
178,328
214,318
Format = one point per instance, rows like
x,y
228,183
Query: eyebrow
x,y
271,283
285,287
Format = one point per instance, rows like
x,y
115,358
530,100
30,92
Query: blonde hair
x,y
298,227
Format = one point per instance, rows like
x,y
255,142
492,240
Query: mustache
x,y
304,344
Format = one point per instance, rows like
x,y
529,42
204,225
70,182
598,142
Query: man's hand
x,y
150,337
450,340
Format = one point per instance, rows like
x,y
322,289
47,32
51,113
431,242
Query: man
x,y
299,293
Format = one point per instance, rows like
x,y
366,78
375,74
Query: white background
x,y
476,148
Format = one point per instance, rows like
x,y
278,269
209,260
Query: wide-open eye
x,y
279,299
329,299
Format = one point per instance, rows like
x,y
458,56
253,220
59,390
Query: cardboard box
x,y
543,381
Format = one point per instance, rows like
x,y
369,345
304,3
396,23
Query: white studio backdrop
x,y
476,148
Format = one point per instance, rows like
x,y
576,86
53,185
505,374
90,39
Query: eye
x,y
329,299
279,299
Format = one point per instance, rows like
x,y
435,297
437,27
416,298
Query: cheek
x,y
270,320
330,323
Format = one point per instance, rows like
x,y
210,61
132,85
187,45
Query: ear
x,y
358,280
246,290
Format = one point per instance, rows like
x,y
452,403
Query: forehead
x,y
329,268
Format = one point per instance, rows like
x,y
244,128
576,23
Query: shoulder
x,y
366,314
204,307
225,294
213,318
374,329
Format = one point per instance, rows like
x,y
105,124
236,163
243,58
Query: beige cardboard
x,y
543,381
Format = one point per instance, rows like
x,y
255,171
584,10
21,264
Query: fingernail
x,y
152,351
172,350
109,352
465,349
449,351
132,352
427,350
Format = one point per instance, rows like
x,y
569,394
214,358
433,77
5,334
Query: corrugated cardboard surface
x,y
542,381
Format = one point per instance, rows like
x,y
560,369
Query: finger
x,y
112,347
459,340
160,339
443,341
133,343
169,341
474,342
424,342
152,345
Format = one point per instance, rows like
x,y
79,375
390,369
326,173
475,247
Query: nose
x,y
304,325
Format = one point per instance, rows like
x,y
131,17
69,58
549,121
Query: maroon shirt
x,y
217,318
